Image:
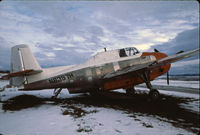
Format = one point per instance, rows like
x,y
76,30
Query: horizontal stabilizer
x,y
21,73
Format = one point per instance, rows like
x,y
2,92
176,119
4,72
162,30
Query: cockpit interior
x,y
130,51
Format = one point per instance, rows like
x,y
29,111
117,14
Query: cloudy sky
x,y
65,32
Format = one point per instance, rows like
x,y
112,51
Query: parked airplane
x,y
122,68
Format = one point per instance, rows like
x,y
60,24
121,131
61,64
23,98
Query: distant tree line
x,y
4,71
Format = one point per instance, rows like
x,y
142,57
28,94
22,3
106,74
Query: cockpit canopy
x,y
112,55
130,51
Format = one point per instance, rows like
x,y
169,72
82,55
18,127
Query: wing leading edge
x,y
152,65
174,58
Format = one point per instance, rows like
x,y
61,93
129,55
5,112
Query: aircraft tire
x,y
154,94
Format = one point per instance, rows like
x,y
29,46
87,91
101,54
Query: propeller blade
x,y
180,52
155,50
167,78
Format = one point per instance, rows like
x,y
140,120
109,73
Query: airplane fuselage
x,y
114,69
87,77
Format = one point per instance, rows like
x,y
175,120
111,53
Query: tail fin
x,y
22,63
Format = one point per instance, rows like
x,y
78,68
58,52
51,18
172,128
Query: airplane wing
x,y
152,65
174,58
127,70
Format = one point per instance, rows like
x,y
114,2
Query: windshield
x,y
130,51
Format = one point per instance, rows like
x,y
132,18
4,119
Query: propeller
x,y
180,52
155,50
167,78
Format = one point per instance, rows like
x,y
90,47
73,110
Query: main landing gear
x,y
56,92
130,91
153,93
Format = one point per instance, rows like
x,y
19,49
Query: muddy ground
x,y
167,108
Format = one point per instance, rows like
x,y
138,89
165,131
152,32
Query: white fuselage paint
x,y
116,66
21,60
96,61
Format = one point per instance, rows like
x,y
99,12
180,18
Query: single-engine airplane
x,y
121,68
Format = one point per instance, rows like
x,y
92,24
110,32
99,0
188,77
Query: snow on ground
x,y
47,119
58,119
189,84
115,122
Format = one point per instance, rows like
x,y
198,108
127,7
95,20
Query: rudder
x,y
22,59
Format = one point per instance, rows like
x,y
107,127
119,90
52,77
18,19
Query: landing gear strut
x,y
56,92
153,93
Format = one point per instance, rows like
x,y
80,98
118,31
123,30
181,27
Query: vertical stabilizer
x,y
22,59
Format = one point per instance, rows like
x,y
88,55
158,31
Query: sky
x,y
69,32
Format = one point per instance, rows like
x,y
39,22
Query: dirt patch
x,y
75,111
147,125
21,102
85,129
27,101
118,131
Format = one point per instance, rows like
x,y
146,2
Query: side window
x,y
132,52
122,53
128,52
136,51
